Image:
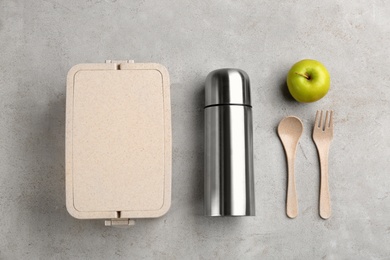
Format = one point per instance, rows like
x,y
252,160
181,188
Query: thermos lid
x,y
227,87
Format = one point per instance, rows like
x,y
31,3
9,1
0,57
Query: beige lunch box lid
x,y
118,141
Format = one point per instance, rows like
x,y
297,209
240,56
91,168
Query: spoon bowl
x,y
290,130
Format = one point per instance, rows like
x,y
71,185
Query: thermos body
x,y
229,180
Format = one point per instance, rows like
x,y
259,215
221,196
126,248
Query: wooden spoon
x,y
290,130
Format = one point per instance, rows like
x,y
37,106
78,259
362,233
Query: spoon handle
x,y
292,200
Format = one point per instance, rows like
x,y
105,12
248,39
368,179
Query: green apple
x,y
308,81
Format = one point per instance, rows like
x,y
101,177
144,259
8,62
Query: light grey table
x,y
40,40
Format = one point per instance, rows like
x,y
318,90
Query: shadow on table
x,y
198,176
41,149
284,90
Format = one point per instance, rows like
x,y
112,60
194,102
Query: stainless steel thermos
x,y
229,180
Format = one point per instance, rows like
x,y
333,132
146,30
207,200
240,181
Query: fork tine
x,y
327,119
318,118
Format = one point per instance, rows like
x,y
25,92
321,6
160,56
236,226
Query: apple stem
x,y
303,75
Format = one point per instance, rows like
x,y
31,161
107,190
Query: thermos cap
x,y
227,87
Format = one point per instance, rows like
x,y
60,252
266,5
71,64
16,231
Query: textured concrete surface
x,y
40,40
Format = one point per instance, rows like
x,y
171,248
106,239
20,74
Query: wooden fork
x,y
322,136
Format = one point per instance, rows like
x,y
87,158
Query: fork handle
x,y
325,209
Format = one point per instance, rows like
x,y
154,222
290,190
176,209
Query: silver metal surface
x,y
227,86
229,183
